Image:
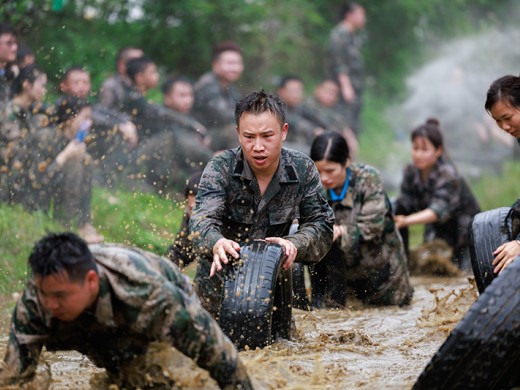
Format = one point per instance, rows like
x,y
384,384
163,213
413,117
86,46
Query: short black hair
x,y
134,66
288,77
330,146
168,84
259,102
348,8
73,68
6,28
29,73
224,46
58,252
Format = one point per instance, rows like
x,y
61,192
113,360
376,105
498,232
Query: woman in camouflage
x,y
367,256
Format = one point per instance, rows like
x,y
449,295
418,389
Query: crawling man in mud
x,y
110,302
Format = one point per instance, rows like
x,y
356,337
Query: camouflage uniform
x,y
142,298
228,204
448,195
302,126
181,252
113,92
168,158
345,56
331,117
36,181
214,107
370,259
16,125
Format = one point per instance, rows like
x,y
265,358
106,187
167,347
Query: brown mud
x,y
358,347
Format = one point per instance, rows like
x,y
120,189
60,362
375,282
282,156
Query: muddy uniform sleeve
x,y
405,203
446,194
174,315
210,205
338,55
313,238
369,223
26,333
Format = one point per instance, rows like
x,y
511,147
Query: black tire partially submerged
x,y
257,297
489,230
483,350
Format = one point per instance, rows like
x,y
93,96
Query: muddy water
x,y
356,348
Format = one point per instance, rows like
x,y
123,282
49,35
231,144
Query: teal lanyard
x,y
337,198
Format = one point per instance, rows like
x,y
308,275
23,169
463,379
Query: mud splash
x,y
359,347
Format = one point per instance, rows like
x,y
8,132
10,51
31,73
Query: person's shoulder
x,y
207,80
365,169
446,168
302,163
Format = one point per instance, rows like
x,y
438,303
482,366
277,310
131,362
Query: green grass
x,y
143,220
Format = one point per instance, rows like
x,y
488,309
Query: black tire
x,y
488,231
257,297
482,351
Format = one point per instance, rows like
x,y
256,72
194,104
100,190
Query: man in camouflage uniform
x,y
110,302
112,136
113,90
256,191
325,106
367,256
304,124
216,96
345,62
178,146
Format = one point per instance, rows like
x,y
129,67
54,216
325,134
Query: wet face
x,y
8,48
424,154
327,93
292,93
150,76
38,88
180,97
228,66
332,174
507,117
77,84
261,137
64,299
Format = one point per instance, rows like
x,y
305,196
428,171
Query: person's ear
x,y
92,280
285,129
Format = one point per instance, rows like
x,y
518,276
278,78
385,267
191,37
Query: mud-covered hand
x,y
339,231
222,248
289,249
505,254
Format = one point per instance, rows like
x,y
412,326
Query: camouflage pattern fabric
x,y
214,107
181,252
345,56
142,298
448,195
113,92
331,117
36,181
370,258
228,204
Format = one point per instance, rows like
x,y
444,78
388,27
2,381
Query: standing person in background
x,y
112,92
345,62
434,194
367,257
503,104
216,95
